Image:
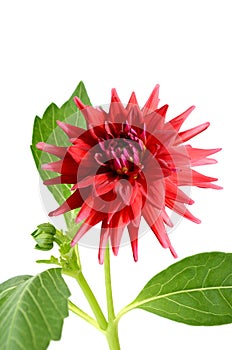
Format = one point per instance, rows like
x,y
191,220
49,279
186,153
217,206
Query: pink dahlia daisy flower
x,y
129,163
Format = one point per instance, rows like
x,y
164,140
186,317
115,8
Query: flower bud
x,y
44,236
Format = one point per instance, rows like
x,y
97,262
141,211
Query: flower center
x,y
122,154
125,156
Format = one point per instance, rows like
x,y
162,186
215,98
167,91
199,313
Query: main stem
x,y
112,329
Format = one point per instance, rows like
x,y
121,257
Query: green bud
x,y
44,236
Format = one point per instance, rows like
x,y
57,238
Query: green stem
x,y
76,248
112,329
112,336
109,294
76,310
79,277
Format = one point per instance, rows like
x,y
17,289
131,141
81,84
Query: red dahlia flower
x,y
129,163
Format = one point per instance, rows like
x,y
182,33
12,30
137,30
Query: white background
x,y
47,47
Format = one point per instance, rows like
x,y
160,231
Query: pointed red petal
x,y
71,130
101,183
188,134
54,166
132,100
86,211
209,185
152,101
133,233
66,166
189,177
78,151
150,213
180,209
63,179
162,111
198,156
79,103
114,96
105,186
57,151
117,112
73,202
155,220
93,116
104,237
115,237
155,193
166,218
159,230
174,193
87,181
91,221
177,122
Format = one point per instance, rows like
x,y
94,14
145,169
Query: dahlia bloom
x,y
129,163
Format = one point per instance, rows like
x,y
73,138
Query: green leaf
x,y
33,310
46,130
196,291
8,287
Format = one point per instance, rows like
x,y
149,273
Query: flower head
x,y
129,163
